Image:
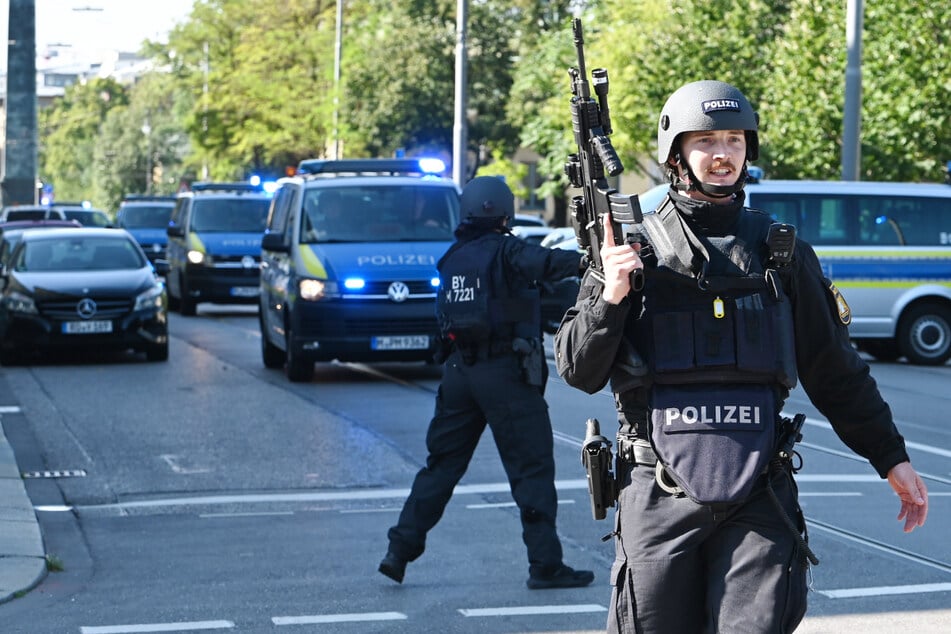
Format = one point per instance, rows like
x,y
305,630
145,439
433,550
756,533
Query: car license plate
x,y
87,327
410,342
245,291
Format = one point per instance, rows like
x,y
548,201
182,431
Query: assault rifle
x,y
591,121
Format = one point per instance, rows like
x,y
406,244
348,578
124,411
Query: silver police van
x,y
886,247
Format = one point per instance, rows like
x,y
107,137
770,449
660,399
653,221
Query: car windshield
x,y
88,217
379,213
146,216
26,214
230,215
76,253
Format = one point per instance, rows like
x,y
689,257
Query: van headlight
x,y
20,303
152,298
315,290
199,258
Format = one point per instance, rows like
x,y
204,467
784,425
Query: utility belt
x,y
482,351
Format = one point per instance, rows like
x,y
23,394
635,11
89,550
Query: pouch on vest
x,y
714,441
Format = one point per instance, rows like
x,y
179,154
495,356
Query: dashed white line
x,y
338,618
189,626
534,610
880,591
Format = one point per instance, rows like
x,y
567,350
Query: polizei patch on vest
x,y
700,417
717,105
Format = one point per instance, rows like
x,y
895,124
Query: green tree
x,y
142,146
69,130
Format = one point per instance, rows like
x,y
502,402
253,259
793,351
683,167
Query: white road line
x,y
9,409
881,591
191,626
500,505
351,495
912,445
532,610
260,514
338,618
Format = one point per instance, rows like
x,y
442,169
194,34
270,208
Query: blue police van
x,y
214,245
146,217
885,246
349,262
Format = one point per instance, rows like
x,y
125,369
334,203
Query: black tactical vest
x,y
716,335
475,305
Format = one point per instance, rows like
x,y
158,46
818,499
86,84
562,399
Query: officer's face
x,y
716,157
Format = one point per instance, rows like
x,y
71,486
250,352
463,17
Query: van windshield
x,y
379,213
230,215
146,217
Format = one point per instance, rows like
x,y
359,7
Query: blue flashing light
x,y
432,165
354,283
754,173
880,220
434,282
86,204
255,180
269,187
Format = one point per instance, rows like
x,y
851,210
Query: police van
x,y
146,217
214,245
885,246
349,258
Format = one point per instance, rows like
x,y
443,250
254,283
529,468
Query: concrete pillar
x,y
19,167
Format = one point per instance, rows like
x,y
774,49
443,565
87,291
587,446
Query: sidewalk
x,y
22,557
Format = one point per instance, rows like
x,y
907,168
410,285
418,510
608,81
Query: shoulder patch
x,y
845,313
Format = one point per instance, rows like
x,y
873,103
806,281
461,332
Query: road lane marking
x,y
338,618
190,626
9,409
502,505
881,591
352,495
533,610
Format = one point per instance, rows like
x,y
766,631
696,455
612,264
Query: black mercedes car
x,y
70,288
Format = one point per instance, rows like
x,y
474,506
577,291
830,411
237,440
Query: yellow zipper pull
x,y
718,310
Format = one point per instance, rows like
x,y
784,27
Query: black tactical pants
x,y
488,391
680,568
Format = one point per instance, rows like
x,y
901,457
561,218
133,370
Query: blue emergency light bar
x,y
390,166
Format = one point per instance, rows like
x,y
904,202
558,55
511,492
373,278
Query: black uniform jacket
x,y
834,376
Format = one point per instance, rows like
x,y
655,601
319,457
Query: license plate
x,y
412,342
87,327
245,291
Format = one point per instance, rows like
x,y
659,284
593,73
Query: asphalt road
x,y
209,493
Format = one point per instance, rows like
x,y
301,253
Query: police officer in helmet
x,y
733,313
495,373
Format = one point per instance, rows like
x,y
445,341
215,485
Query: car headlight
x,y
20,303
316,290
197,257
152,298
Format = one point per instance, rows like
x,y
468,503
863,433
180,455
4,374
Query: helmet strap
x,y
691,183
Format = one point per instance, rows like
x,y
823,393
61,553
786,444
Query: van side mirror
x,y
274,242
175,231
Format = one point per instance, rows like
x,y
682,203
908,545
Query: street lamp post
x,y
147,131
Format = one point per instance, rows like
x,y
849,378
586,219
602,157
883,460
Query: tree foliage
x,y
251,86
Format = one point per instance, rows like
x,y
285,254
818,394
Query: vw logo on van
x,y
248,262
86,308
398,292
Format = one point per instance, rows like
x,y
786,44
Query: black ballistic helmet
x,y
706,105
487,197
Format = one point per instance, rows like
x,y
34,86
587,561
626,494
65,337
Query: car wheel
x,y
272,356
924,334
188,304
299,370
158,352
